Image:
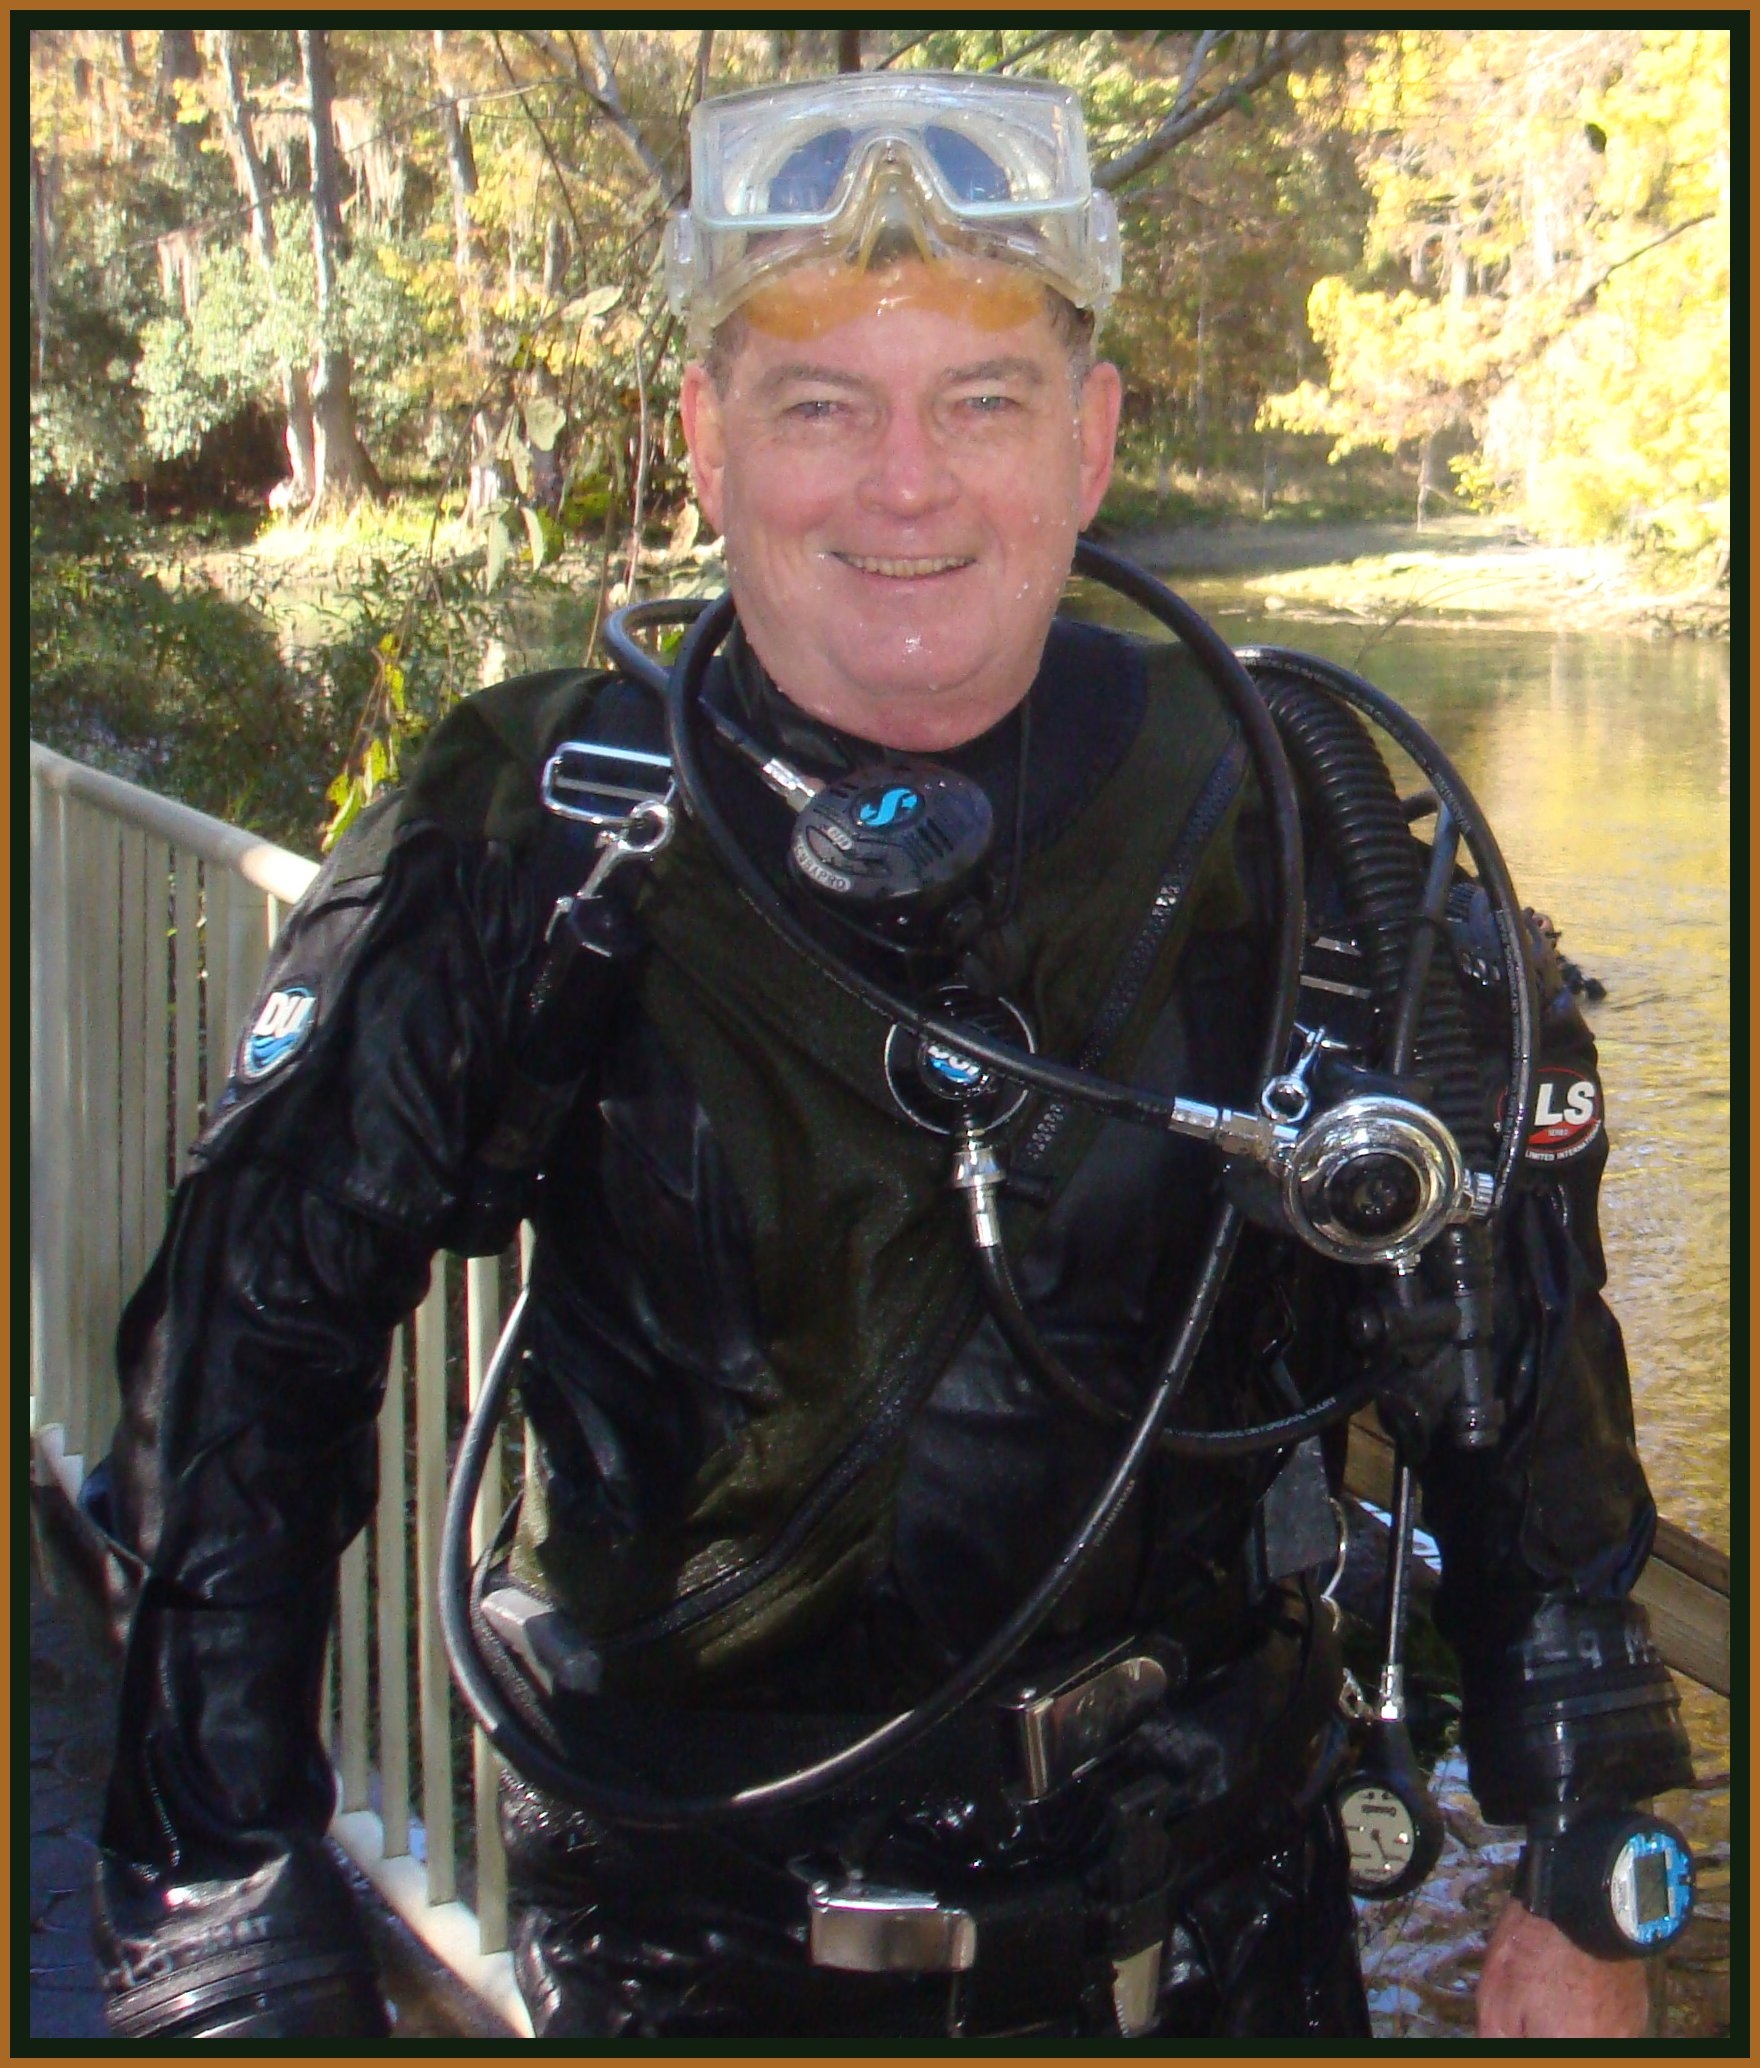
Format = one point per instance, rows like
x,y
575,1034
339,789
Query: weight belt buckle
x,y
866,1929
1064,1730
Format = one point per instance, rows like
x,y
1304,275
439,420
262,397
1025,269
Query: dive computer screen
x,y
1650,1887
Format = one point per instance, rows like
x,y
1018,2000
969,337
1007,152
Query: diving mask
x,y
867,166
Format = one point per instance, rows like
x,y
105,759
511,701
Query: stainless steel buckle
x,y
869,1930
597,785
1066,1729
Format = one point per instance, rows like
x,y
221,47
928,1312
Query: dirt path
x,y
1459,570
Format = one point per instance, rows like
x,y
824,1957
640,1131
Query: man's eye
x,y
989,405
815,409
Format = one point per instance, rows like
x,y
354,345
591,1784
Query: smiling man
x,y
798,1449
912,469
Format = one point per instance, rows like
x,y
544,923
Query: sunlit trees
x,y
1546,274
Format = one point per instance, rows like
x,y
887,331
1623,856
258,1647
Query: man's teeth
x,y
903,570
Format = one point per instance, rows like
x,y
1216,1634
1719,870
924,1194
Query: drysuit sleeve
x,y
1565,1699
252,1364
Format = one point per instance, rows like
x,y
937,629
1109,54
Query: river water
x,y
1603,764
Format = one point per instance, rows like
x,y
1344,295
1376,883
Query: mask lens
x,y
971,173
809,177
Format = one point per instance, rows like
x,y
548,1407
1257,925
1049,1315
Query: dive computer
x,y
1619,1882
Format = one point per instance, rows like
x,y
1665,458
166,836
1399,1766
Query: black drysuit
x,y
786,1470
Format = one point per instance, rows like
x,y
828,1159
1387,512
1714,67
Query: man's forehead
x,y
812,301
1011,368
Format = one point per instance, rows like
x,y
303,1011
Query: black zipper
x,y
1133,973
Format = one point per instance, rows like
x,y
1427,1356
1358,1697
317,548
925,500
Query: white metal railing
x,y
150,926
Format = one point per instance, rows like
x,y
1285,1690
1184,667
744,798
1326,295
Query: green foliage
x,y
400,642
174,685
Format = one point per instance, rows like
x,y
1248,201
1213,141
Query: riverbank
x,y
1468,571
1465,571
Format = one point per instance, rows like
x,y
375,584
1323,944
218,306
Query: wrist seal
x,y
1615,1882
1580,1710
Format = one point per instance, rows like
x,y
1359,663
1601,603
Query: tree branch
x,y
598,86
1586,299
1200,51
1029,49
1180,126
580,239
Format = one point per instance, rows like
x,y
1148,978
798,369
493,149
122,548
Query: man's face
x,y
900,462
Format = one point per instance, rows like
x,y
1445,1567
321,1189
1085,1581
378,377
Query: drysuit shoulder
x,y
369,1058
308,965
480,770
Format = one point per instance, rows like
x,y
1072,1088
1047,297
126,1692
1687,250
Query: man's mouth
x,y
905,570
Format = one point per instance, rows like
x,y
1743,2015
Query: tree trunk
x,y
555,258
1426,474
296,492
849,50
342,468
178,59
40,263
178,56
299,438
469,257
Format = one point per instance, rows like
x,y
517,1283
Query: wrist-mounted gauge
x,y
1617,1883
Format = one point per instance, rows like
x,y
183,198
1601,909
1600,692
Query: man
x,y
787,1471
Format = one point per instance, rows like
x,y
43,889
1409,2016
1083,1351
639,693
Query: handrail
x,y
151,925
261,863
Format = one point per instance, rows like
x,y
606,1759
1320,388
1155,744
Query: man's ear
x,y
699,410
1097,427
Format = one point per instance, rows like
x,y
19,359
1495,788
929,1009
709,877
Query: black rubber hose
x,y
1443,778
648,1809
1028,1343
1385,891
625,648
1381,875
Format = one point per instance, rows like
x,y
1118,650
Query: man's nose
x,y
907,474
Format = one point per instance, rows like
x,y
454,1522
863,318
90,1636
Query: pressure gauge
x,y
1379,1831
1392,1829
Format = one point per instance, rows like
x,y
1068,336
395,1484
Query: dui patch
x,y
279,1029
1567,1114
